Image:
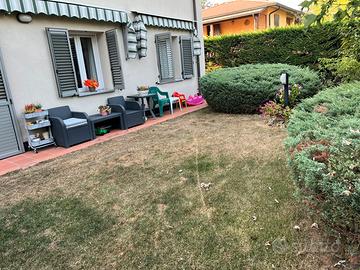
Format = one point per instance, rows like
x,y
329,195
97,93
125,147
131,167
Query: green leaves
x,y
306,4
294,46
309,19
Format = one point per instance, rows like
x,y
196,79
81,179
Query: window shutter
x,y
10,143
115,62
62,62
165,57
2,87
187,57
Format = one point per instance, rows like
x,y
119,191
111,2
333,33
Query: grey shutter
x,y
165,57
62,61
115,62
186,48
9,140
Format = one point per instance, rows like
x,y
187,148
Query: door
x,y
10,143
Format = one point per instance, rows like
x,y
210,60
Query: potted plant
x,y
38,108
92,85
143,89
30,108
104,110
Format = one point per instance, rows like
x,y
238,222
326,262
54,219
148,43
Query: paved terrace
x,y
29,159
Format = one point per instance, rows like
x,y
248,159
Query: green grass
x,y
135,202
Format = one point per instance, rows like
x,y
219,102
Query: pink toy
x,y
195,100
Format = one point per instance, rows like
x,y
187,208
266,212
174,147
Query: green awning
x,y
152,20
55,8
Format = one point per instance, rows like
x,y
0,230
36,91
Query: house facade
x,y
49,48
246,16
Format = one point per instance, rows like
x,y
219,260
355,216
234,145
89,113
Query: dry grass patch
x,y
135,202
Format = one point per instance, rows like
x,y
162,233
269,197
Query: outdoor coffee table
x,y
97,119
144,97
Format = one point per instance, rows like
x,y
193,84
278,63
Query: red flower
x,y
91,83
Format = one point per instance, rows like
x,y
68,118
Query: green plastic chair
x,y
159,99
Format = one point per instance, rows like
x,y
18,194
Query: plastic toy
x,y
195,100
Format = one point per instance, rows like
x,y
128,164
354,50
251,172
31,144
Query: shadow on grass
x,y
48,232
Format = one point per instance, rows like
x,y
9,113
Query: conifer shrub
x,y
243,89
324,154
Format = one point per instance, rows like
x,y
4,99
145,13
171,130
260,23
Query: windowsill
x,y
97,92
172,81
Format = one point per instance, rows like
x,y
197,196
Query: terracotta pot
x,y
104,113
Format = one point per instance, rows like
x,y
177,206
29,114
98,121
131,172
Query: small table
x,y
144,97
98,118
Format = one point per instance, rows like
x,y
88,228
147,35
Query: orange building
x,y
246,16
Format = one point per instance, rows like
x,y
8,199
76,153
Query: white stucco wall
x,y
28,63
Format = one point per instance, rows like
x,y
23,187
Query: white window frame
x,y
81,64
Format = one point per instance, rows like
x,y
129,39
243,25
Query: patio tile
x,y
29,159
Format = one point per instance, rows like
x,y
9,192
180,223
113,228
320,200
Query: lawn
x,y
137,202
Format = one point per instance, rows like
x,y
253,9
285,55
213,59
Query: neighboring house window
x,y
165,57
86,58
256,21
208,30
276,20
289,21
217,30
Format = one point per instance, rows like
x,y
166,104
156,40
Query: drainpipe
x,y
196,25
271,14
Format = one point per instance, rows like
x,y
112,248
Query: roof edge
x,y
273,4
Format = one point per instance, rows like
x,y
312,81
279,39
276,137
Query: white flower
x,y
346,193
357,131
346,142
315,226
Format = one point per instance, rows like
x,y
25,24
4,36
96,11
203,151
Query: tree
x,y
346,16
338,10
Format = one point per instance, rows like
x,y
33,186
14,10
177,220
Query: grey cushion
x,y
75,122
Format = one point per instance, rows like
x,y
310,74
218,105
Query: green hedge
x,y
295,46
245,88
324,153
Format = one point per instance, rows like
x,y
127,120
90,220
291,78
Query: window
x,y
276,20
208,30
217,30
175,57
75,58
165,57
289,21
85,54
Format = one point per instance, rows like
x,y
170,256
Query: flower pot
x,y
143,92
92,89
104,113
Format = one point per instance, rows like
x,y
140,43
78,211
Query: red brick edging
x,y
30,159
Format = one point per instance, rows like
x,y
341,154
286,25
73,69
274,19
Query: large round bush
x,y
243,89
324,154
